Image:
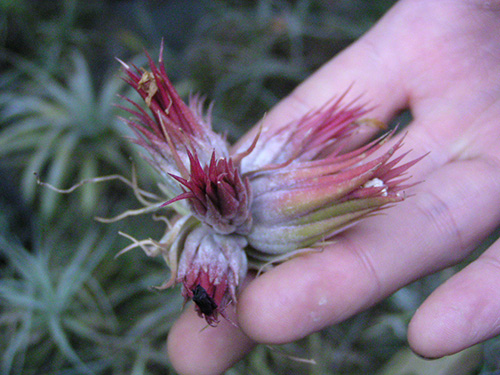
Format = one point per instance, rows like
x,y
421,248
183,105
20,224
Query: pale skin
x,y
440,59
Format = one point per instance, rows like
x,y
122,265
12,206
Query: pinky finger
x,y
462,312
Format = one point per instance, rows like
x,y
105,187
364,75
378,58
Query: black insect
x,y
205,303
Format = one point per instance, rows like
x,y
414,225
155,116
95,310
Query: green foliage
x,y
46,299
43,30
64,130
68,306
248,56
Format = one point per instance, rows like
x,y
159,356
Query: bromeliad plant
x,y
287,190
62,127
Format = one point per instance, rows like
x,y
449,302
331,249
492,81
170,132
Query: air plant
x,y
61,128
49,302
286,191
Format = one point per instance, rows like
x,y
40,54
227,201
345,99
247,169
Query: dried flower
x,y
286,190
211,266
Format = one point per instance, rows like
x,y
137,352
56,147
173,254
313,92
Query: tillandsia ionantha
x,y
287,190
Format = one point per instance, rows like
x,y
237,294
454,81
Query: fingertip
x,y
185,354
434,331
194,348
462,312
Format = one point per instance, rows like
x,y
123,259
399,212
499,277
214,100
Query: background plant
x,y
67,306
66,130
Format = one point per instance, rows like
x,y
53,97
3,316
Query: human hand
x,y
442,61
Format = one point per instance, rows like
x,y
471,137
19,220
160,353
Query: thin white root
x,y
129,213
287,256
164,219
139,193
293,358
149,246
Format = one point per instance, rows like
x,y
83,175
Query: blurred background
x,y
67,305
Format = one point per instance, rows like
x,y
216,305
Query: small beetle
x,y
205,303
